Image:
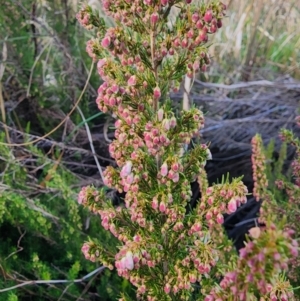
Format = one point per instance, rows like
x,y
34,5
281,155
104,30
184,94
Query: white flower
x,y
126,169
208,154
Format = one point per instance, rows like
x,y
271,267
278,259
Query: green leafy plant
x,y
41,231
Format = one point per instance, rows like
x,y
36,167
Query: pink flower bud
x,y
154,18
203,35
101,63
162,206
114,88
209,190
213,28
273,297
155,140
277,256
171,51
210,200
126,170
294,251
197,227
162,138
190,33
166,124
184,43
164,52
220,218
112,101
129,179
175,166
249,278
137,238
154,203
132,81
177,42
208,215
208,16
164,169
196,66
199,24
106,42
175,177
192,278
156,93
130,61
232,206
173,122
167,288
160,115
136,119
195,17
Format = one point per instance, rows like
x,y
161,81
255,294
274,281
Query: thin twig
x,y
33,67
61,123
48,142
91,143
249,84
98,270
18,245
105,130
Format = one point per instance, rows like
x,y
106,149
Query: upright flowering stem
x,y
260,190
163,251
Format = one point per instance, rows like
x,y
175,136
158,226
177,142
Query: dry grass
x,y
258,34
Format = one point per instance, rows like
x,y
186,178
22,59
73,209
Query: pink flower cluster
x,y
193,33
190,35
258,166
88,19
91,198
86,252
147,57
112,178
133,256
262,259
94,253
200,258
85,17
170,170
220,199
93,49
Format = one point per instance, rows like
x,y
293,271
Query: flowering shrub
x,y
288,206
164,252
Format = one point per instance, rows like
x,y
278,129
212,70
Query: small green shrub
x,y
42,229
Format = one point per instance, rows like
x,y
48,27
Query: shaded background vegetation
x,y
43,71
